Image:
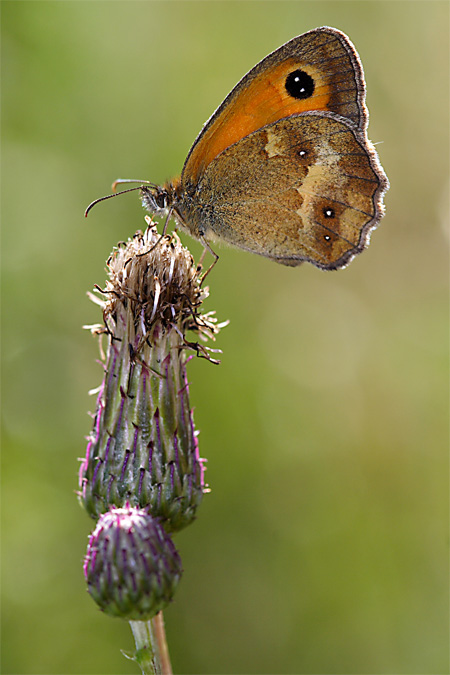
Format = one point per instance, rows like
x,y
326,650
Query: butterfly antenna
x,y
119,181
102,199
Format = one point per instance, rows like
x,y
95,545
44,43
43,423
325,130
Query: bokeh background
x,y
322,547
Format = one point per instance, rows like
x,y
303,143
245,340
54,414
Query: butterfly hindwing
x,y
305,188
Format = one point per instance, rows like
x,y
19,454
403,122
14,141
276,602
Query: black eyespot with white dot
x,y
328,213
327,237
303,153
299,84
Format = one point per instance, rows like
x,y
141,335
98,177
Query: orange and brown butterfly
x,y
284,167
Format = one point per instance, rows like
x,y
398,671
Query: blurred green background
x,y
323,546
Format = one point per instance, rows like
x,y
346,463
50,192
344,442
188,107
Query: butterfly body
x,y
284,168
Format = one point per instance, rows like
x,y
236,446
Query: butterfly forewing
x,y
319,70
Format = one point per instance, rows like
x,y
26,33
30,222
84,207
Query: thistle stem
x,y
152,653
146,655
160,634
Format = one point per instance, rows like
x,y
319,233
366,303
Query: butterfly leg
x,y
149,222
206,247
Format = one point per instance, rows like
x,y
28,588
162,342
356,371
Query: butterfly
x,y
284,168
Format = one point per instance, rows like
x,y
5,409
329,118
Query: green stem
x,y
152,654
146,655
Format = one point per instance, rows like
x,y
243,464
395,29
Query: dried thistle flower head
x,y
132,567
156,279
143,447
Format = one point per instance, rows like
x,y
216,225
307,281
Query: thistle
x,y
131,567
142,477
143,448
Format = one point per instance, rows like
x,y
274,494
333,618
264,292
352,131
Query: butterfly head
x,y
156,199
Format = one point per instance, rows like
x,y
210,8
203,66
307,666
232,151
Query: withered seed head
x,y
156,280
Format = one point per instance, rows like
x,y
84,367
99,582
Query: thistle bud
x,y
131,567
143,448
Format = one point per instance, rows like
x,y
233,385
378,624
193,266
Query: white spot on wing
x,y
273,146
324,171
